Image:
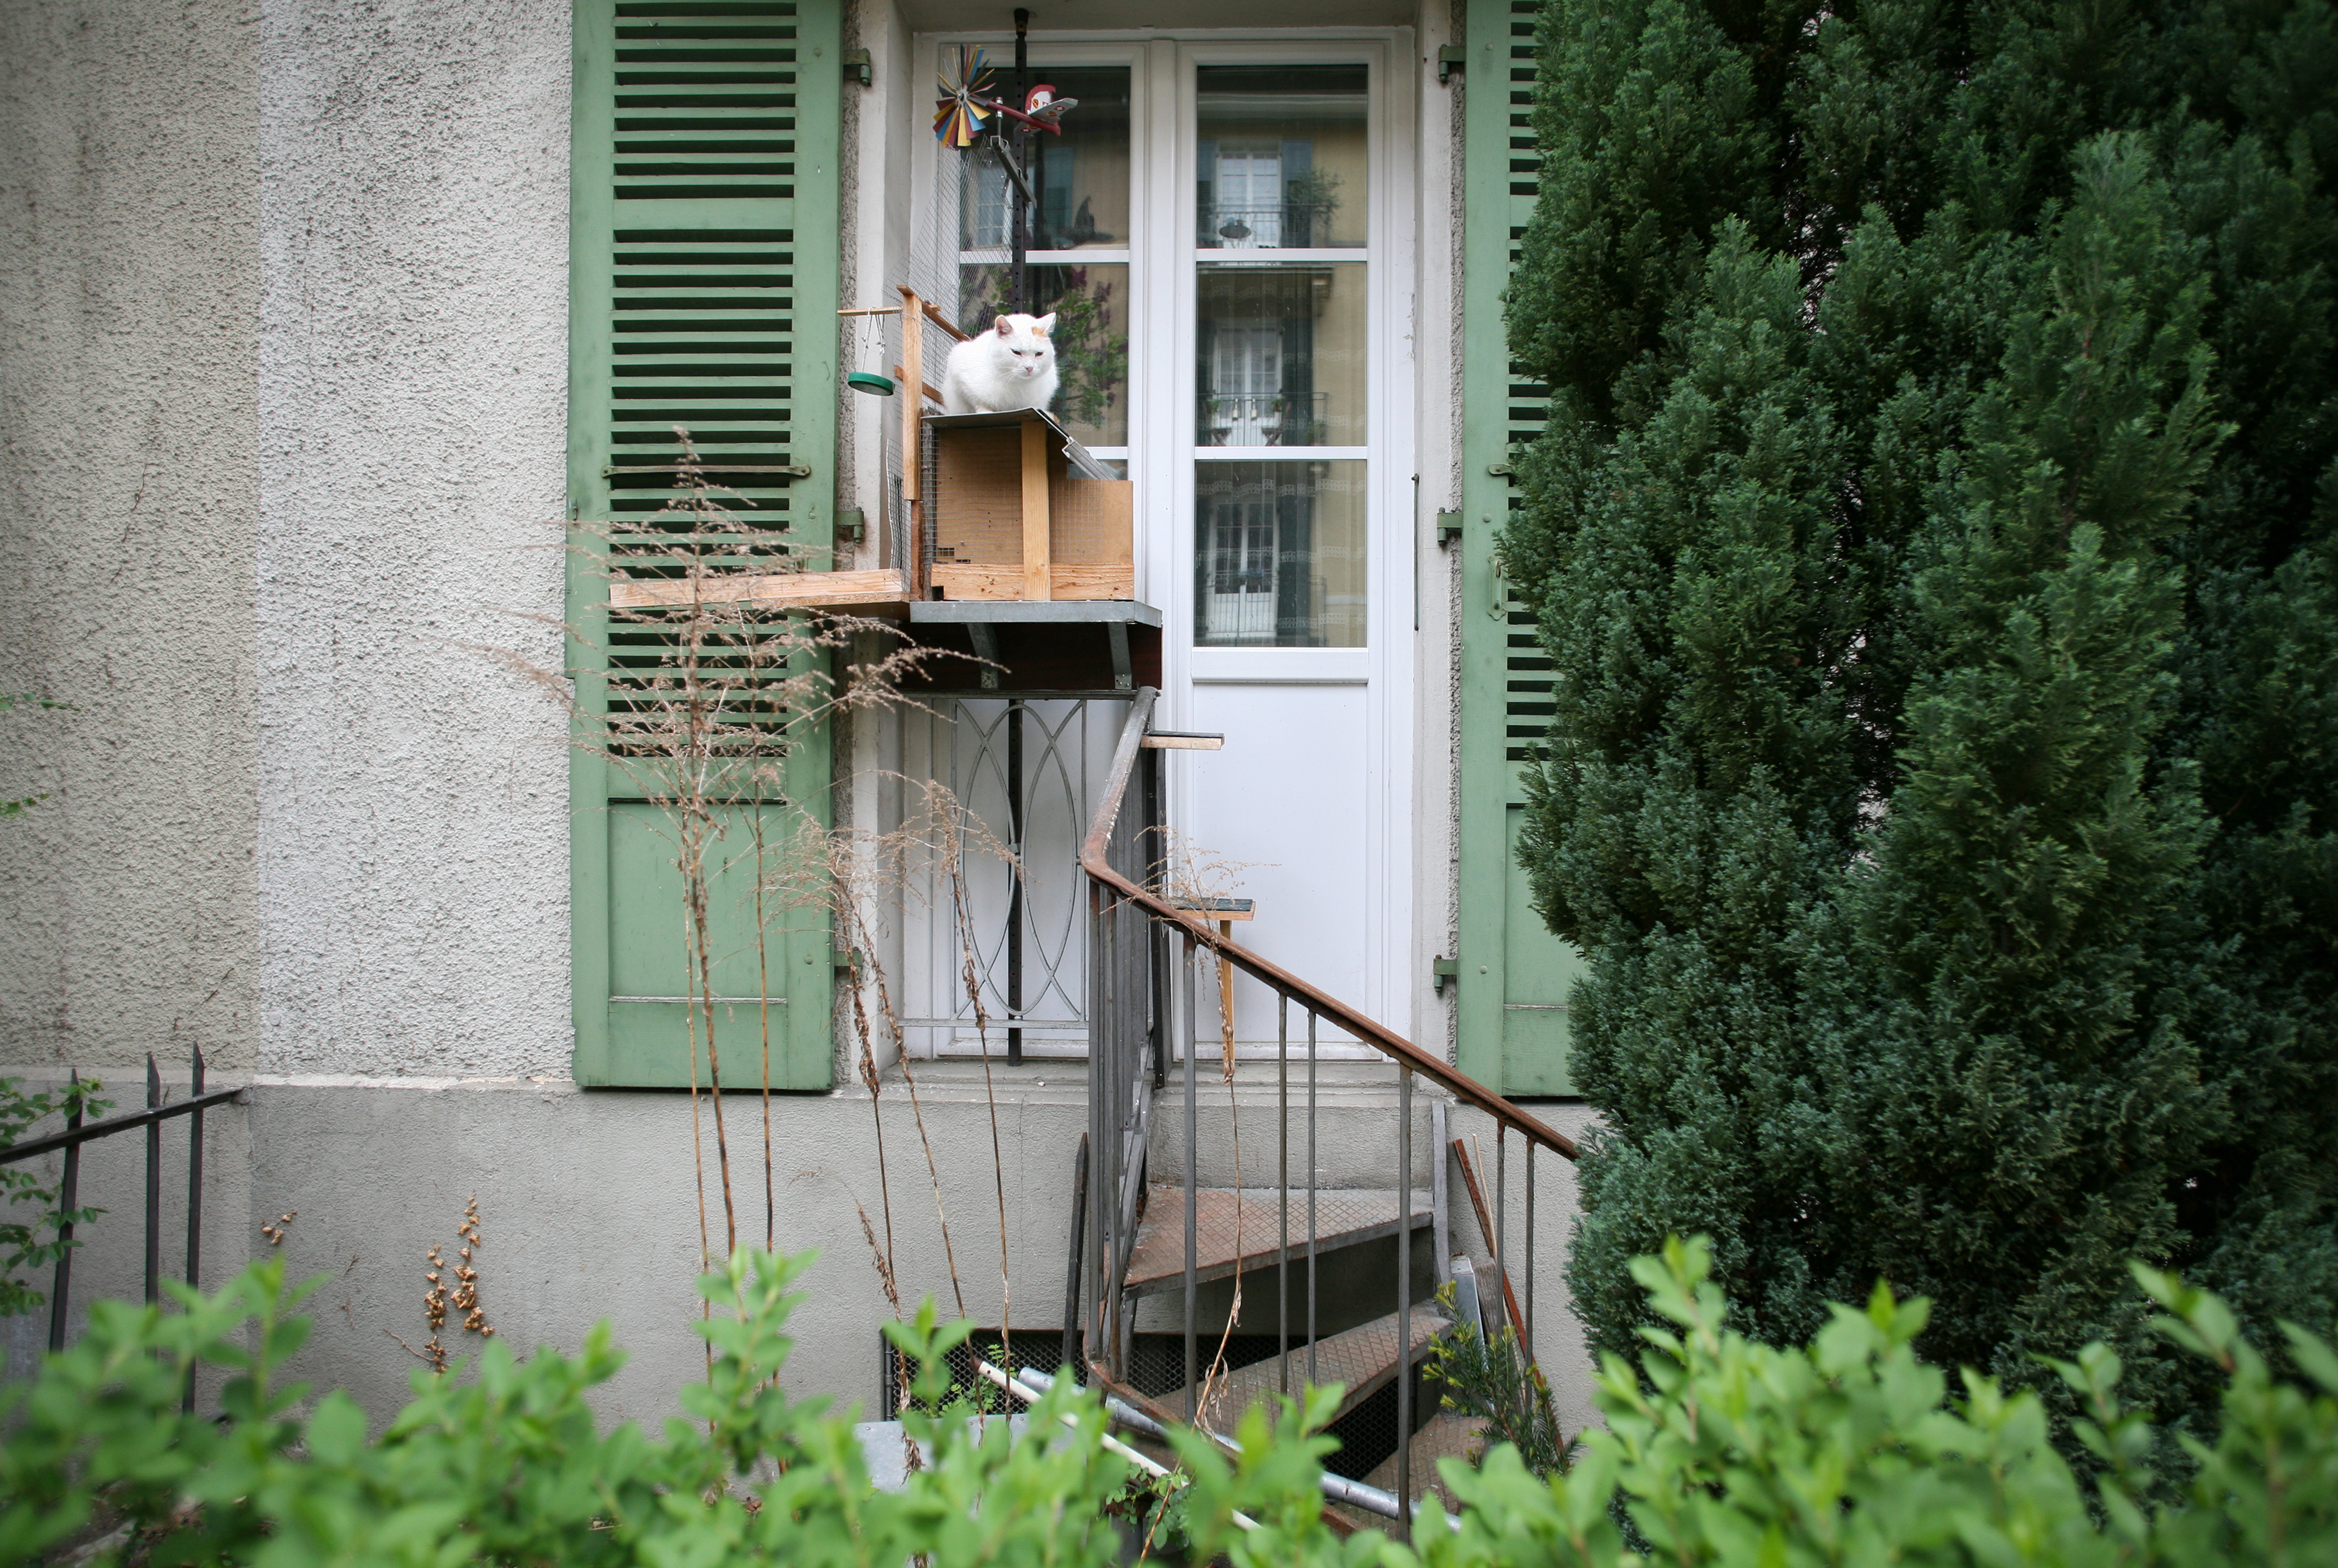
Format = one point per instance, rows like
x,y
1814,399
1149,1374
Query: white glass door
x,y
1227,239
1289,605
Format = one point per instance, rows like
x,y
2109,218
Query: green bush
x,y
1718,1448
1935,539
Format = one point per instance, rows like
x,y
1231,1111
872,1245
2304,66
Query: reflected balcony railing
x,y
1278,421
1279,226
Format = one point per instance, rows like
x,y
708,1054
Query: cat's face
x,y
1025,348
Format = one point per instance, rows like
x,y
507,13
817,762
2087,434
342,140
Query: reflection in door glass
x,y
1279,555
1280,162
1080,177
1280,354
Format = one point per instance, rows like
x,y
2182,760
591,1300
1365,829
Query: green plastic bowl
x,y
870,381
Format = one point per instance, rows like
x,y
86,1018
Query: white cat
x,y
1013,365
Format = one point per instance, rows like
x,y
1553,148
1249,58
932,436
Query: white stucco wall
x,y
129,296
413,855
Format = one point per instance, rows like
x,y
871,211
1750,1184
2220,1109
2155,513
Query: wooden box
x,y
1012,509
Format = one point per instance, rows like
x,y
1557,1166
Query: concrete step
x,y
1244,1225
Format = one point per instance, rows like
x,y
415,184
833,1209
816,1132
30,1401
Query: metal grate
x,y
1041,1349
706,99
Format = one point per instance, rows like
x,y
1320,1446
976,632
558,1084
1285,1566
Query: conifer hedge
x,y
1933,535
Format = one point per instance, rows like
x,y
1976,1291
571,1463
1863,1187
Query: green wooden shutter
x,y
702,265
1513,974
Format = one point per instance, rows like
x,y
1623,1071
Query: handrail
x,y
1371,1031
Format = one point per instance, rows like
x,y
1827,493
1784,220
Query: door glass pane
x,y
1281,159
1279,555
1080,176
1280,352
1090,305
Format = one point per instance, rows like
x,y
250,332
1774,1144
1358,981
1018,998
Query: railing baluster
x,y
195,1210
153,1186
1404,1301
69,1198
1310,1197
1531,1197
1188,1034
1283,1192
1502,1201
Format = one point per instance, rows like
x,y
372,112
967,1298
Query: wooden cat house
x,y
1011,507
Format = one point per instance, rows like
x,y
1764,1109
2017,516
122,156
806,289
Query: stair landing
x,y
1363,1359
1244,1225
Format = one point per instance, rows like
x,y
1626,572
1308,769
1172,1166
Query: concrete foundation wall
x,y
129,309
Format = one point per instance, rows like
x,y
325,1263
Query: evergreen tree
x,y
1934,538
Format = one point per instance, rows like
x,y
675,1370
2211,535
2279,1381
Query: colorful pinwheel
x,y
960,115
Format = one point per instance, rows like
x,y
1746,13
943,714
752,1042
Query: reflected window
x,y
1280,160
1280,555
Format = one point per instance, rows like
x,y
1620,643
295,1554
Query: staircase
x,y
1205,1293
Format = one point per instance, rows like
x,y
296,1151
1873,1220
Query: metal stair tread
x,y
1343,1216
1447,1435
1363,1359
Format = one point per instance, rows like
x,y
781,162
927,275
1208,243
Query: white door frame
x,y
1161,325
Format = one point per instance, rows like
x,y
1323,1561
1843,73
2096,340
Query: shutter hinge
x,y
1445,969
851,524
847,958
1499,470
856,67
1448,527
1452,58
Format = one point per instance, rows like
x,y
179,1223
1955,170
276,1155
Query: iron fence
x,y
76,1134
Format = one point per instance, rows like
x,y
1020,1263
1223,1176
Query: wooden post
x,y
913,381
1038,572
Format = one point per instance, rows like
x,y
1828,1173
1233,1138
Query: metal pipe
x,y
68,1199
154,1185
1103,1059
1338,1488
1015,883
1404,1294
1186,1034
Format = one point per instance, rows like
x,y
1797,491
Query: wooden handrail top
x,y
1197,930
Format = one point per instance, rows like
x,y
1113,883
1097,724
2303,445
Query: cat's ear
x,y
1044,325
1005,328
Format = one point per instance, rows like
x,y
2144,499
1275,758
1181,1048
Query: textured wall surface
x,y
588,1201
413,790
128,298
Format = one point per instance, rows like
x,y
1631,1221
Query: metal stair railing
x,y
1136,932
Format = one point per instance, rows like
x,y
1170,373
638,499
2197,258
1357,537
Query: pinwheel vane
x,y
964,105
959,116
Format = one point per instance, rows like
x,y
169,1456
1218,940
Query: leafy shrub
x,y
20,1246
1717,1449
